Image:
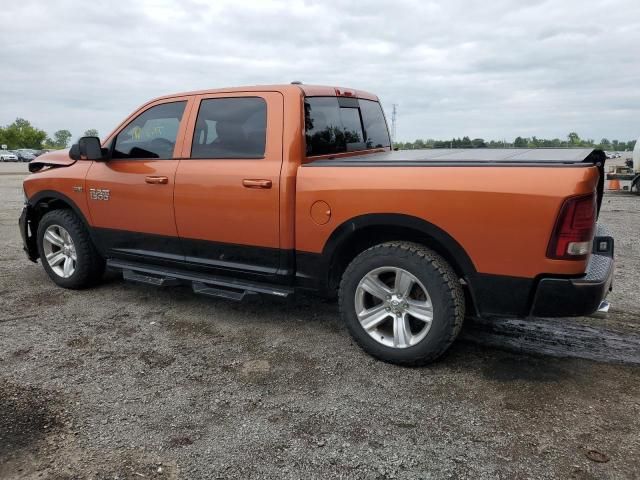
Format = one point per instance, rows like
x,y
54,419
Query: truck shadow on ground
x,y
504,365
565,337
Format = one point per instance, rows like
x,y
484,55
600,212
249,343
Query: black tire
x,y
443,288
89,264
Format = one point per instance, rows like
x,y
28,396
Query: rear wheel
x,y
402,303
67,252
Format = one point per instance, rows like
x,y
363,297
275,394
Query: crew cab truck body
x,y
282,188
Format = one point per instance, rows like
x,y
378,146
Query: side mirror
x,y
87,148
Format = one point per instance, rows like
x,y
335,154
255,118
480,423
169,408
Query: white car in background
x,y
8,156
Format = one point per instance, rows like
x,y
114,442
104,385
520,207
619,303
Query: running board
x,y
156,281
211,285
203,289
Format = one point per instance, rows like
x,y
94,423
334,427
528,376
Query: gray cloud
x,y
484,69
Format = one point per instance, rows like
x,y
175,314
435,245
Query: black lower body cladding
x,y
491,295
500,295
549,296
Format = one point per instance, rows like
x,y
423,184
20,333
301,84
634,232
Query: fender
x,y
313,270
451,247
54,195
30,217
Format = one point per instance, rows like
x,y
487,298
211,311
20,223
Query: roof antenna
x,y
296,82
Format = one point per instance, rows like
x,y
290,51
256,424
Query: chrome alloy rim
x,y
60,251
393,307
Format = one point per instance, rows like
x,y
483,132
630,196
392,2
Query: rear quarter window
x,y
336,125
375,125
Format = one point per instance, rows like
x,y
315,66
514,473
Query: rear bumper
x,y
549,296
574,297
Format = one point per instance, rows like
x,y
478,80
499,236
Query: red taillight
x,y
573,233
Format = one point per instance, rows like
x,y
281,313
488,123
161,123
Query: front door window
x,y
152,134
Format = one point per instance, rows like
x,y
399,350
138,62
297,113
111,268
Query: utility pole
x,y
394,114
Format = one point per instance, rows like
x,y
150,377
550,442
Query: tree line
x,y
21,134
572,140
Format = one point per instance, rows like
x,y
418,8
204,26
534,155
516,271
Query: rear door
x,y
130,196
228,183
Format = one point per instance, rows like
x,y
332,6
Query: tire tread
x,y
411,250
88,274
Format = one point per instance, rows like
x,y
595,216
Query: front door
x,y
130,196
228,184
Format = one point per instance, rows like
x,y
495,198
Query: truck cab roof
x,y
307,91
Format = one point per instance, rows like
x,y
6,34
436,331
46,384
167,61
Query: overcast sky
x,y
494,69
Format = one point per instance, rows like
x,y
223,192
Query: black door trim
x,y
242,261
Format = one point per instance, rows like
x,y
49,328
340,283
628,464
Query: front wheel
x,y
67,252
402,303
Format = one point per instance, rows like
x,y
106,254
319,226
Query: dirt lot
x,y
127,381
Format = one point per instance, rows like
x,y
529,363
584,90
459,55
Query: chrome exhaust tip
x,y
602,310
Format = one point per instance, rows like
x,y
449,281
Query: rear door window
x,y
336,125
230,128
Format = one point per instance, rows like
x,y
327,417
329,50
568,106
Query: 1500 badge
x,y
99,194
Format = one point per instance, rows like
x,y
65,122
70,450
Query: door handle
x,y
156,180
254,183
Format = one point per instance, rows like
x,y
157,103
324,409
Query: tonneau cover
x,y
471,155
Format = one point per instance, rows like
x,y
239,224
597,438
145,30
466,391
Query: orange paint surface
x,y
501,216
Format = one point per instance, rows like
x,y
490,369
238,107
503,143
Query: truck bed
x,y
476,157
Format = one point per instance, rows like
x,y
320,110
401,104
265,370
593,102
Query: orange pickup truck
x,y
278,189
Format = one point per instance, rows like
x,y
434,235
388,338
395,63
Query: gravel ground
x,y
127,381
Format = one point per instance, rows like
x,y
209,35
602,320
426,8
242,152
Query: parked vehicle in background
x,y
8,156
291,188
24,154
626,177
